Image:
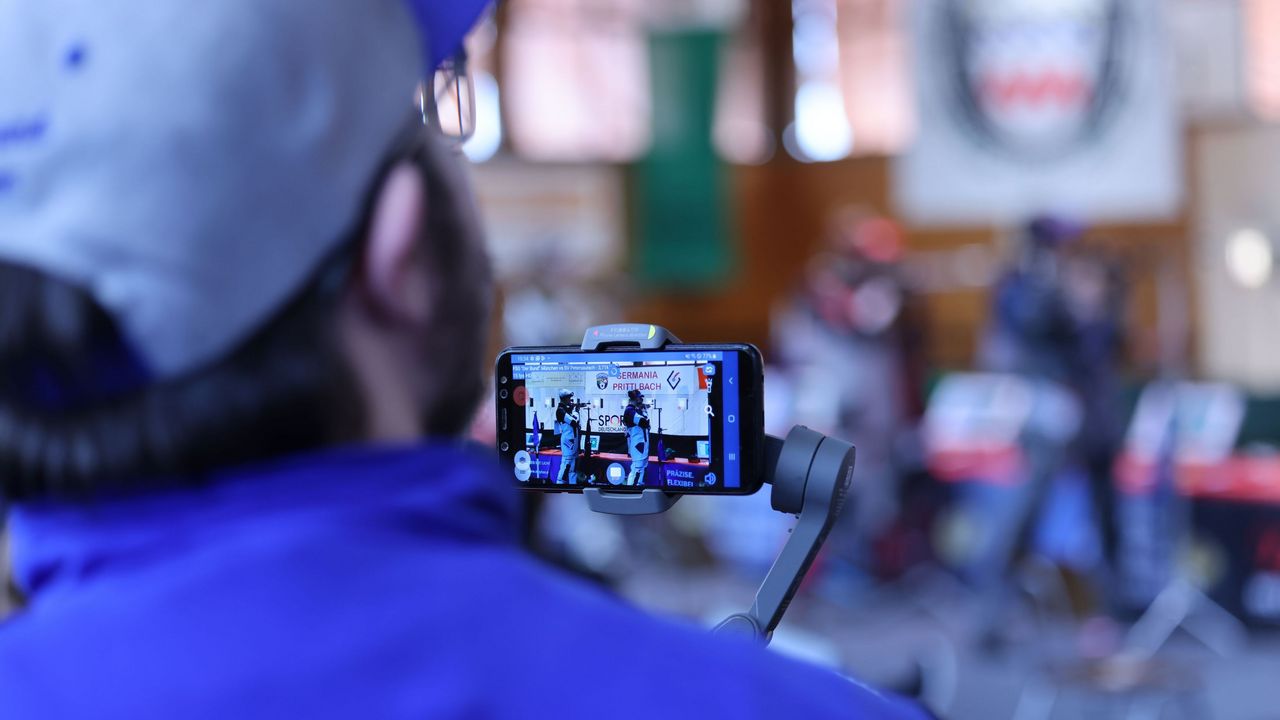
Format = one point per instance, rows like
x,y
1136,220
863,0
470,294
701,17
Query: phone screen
x,y
682,419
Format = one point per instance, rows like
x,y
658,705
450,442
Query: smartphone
x,y
683,419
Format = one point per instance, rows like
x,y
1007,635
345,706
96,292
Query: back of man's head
x,y
224,238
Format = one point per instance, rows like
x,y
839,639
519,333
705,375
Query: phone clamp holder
x,y
645,337
810,475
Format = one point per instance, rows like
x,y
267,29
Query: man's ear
x,y
392,279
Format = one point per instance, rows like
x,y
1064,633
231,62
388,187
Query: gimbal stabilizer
x,y
810,474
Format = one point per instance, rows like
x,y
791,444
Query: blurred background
x,y
1021,252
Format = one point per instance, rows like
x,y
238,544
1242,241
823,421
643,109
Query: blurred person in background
x,y
1056,321
842,343
1032,331
547,301
240,286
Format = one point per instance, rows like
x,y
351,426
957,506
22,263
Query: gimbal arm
x,y
811,474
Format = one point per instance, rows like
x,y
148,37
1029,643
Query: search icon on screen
x,y
711,412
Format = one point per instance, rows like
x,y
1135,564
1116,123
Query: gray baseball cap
x,y
191,164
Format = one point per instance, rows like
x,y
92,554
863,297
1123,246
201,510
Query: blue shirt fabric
x,y
356,583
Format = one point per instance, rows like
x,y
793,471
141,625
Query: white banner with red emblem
x,y
1041,106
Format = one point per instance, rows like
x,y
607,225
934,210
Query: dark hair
x,y
287,389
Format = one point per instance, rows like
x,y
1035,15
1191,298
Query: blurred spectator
x,y
842,341
1056,321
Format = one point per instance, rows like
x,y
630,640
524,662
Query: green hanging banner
x,y
681,189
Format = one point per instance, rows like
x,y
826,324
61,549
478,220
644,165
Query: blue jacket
x,y
356,583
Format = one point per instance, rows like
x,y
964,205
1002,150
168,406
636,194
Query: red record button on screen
x,y
520,395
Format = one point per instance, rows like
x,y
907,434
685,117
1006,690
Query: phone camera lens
x,y
505,447
504,394
503,379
